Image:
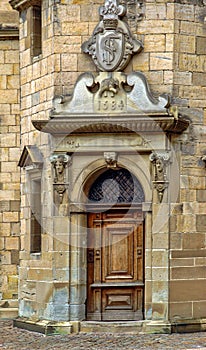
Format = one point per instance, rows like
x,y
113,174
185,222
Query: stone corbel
x,y
111,159
160,161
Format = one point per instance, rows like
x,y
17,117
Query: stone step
x,y
8,313
133,327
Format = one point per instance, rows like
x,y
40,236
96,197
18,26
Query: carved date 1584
x,y
110,105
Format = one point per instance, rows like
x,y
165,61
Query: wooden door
x,y
115,266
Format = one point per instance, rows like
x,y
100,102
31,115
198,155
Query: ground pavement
x,y
18,339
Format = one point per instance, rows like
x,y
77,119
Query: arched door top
x,y
116,186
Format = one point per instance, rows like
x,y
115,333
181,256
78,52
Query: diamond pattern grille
x,y
116,186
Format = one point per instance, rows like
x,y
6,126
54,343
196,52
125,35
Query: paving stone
x,y
15,339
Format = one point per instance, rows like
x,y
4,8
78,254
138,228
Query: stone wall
x,y
188,232
9,150
173,60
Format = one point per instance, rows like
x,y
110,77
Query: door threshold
x,y
133,327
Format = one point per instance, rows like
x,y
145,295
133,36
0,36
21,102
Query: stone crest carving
x,y
60,186
160,161
112,44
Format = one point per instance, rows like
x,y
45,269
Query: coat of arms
x,y
112,45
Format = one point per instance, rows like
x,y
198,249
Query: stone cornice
x,y
9,33
95,123
20,5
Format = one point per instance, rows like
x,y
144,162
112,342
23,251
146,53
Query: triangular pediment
x,y
31,156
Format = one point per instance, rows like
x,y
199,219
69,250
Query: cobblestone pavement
x,y
18,339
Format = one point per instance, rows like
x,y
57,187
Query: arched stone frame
x,y
78,240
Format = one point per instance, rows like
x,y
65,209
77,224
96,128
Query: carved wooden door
x,y
115,266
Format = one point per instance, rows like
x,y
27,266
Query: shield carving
x,y
110,47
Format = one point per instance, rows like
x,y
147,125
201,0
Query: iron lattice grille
x,y
116,186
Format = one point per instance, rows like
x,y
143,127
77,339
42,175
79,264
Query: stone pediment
x,y
31,157
111,102
112,93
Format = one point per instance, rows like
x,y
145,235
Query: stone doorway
x,y
115,253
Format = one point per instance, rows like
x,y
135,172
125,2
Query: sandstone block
x,y
9,167
183,309
199,79
161,61
13,82
11,56
5,229
199,308
184,12
8,140
40,274
160,274
6,68
5,109
156,26
9,96
183,78
157,11
85,63
201,195
75,28
186,43
188,27
5,45
2,82
170,10
69,62
12,243
2,247
159,258
154,43
182,262
201,49
188,273
201,223
193,241
141,62
10,217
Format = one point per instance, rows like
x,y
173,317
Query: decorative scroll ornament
x,y
111,159
160,160
111,45
60,186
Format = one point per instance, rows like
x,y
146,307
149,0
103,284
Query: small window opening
x,y
36,32
36,217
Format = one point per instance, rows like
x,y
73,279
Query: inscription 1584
x,y
110,105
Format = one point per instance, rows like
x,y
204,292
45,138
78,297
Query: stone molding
x,y
9,33
20,5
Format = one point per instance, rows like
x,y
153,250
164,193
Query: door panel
x,y
115,268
